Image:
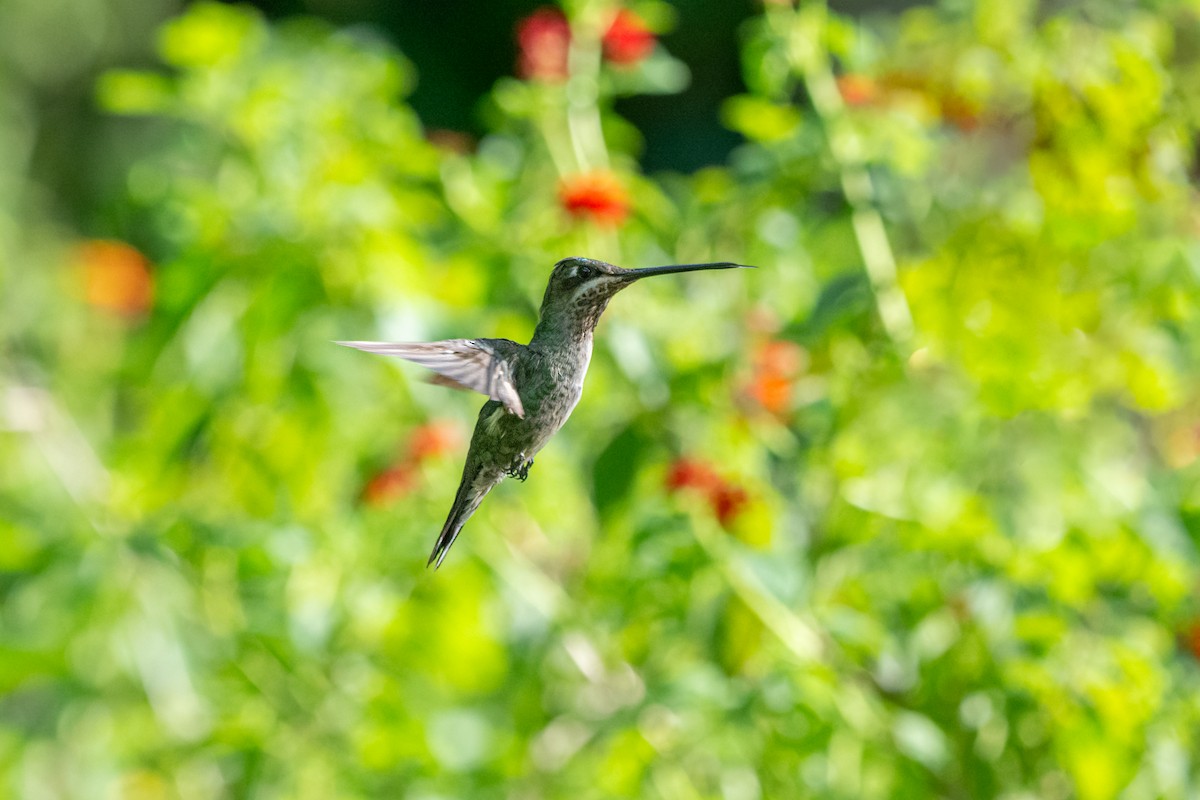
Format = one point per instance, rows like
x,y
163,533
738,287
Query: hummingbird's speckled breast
x,y
551,383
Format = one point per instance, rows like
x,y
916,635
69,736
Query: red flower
x,y
727,500
627,40
389,484
1191,639
598,196
116,277
427,441
544,39
857,90
688,474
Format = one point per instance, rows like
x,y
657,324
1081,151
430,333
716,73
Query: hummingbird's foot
x,y
520,468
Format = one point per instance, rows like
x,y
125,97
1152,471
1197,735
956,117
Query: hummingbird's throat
x,y
590,301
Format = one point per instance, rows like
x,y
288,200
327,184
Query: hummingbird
x,y
532,388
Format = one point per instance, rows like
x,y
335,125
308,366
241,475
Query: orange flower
x,y
960,112
450,141
597,196
772,392
857,90
432,439
627,40
776,365
544,39
116,277
953,107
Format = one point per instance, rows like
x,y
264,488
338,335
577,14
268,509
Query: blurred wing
x,y
474,364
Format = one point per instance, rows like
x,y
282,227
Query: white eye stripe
x,y
591,286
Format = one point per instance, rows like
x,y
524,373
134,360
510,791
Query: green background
x,y
912,510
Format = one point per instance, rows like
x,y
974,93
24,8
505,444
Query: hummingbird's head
x,y
580,288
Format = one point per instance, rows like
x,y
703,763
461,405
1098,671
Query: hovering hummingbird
x,y
532,387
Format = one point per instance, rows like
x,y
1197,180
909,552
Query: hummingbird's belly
x,y
517,440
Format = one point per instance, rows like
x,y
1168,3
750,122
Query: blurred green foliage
x,y
911,511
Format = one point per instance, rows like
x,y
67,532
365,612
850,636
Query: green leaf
x,y
759,119
614,472
134,92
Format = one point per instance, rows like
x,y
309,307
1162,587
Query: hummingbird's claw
x,y
520,468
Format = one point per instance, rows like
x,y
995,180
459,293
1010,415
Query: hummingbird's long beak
x,y
646,272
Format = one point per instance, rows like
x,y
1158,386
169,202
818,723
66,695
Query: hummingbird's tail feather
x,y
470,494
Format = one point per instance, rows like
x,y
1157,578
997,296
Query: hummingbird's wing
x,y
481,365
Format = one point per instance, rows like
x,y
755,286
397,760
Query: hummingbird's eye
x,y
585,272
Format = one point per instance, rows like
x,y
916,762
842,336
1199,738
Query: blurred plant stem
x,y
804,30
545,594
59,439
583,95
525,578
573,132
797,635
